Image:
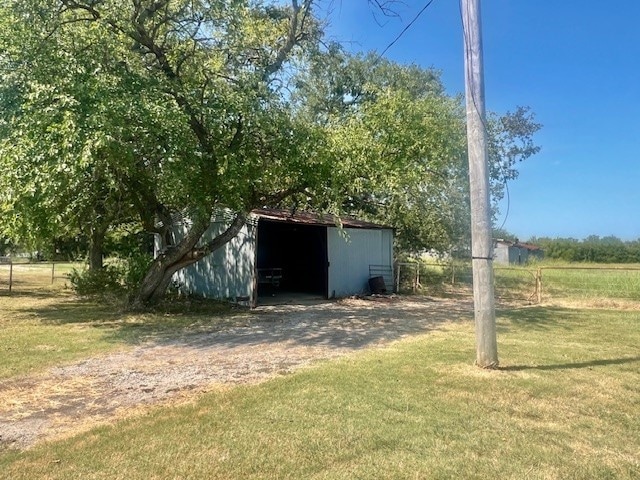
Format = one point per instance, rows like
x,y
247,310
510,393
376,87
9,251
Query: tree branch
x,y
220,240
294,36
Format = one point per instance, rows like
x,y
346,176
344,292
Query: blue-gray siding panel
x,y
228,273
351,252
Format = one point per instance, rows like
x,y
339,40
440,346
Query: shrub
x,y
133,269
105,281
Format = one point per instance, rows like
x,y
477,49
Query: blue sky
x,y
575,63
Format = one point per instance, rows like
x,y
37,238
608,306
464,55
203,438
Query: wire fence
x,y
453,278
594,285
528,284
516,284
24,277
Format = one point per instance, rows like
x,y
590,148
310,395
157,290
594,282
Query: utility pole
x,y
481,241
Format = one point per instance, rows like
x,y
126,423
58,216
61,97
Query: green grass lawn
x,y
37,331
591,283
43,328
564,405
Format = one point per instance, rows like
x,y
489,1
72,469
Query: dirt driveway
x,y
273,340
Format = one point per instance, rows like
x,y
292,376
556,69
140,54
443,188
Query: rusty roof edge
x,y
528,246
319,219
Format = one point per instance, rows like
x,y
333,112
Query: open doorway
x,y
291,258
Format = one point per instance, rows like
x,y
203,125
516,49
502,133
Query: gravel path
x,y
275,340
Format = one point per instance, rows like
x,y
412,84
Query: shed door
x,y
350,254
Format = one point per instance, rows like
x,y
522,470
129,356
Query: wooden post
x,y
414,280
453,272
481,243
53,272
10,275
539,284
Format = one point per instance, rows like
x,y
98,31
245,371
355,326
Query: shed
x,y
278,251
515,253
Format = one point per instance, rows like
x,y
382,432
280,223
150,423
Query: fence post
x,y
412,266
453,272
539,284
10,276
398,278
53,272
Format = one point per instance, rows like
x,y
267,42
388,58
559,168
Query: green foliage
x,y
194,127
502,234
593,249
402,144
119,276
133,269
400,140
63,158
141,113
6,246
510,139
144,112
102,282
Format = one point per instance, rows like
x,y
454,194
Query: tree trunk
x,y
96,244
176,257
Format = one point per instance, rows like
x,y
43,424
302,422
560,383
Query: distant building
x,y
515,253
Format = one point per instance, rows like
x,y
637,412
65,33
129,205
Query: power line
x,y
427,5
506,215
473,97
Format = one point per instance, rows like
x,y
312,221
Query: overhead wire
x,y
472,93
404,30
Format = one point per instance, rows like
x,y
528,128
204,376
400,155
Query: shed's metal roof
x,y
308,218
528,246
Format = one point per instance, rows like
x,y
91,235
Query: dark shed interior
x,y
299,250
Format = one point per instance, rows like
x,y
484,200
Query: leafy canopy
x,y
140,112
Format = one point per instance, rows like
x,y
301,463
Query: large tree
x,y
178,105
168,112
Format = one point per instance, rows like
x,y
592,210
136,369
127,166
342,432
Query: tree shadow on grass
x,y
29,293
336,325
568,366
536,318
329,324
167,321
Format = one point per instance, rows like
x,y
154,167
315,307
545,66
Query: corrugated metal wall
x,y
228,273
511,254
350,253
518,255
501,253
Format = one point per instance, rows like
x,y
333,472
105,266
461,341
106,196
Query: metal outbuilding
x,y
279,251
515,253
